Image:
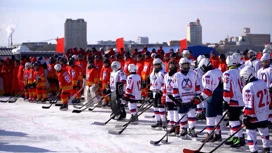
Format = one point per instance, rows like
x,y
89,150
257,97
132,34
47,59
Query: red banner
x,y
183,45
60,45
120,44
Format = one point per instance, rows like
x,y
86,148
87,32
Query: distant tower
x,y
75,34
10,43
194,33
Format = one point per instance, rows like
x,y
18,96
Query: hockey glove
x,y
159,92
225,106
163,100
196,101
106,91
246,121
178,102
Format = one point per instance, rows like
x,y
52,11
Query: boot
x,y
134,118
230,141
192,132
208,138
183,132
266,150
177,130
216,137
64,107
164,125
172,129
198,116
158,124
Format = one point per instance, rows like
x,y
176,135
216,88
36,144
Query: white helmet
x,y
204,63
115,50
184,60
231,60
74,57
252,53
266,56
185,52
199,58
57,67
153,55
157,61
246,74
115,66
27,64
132,68
237,55
266,50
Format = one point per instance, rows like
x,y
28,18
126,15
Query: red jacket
x,y
222,66
127,62
214,61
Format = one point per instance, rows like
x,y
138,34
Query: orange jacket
x,y
122,63
76,74
222,66
105,76
82,64
92,76
26,73
51,71
39,77
214,61
140,67
30,76
20,75
99,64
147,68
126,64
65,81
166,65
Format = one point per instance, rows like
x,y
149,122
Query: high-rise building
x,y
75,34
142,40
194,33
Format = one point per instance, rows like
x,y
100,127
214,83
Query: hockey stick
x,y
17,96
211,134
52,102
74,96
166,134
201,130
88,103
198,151
127,124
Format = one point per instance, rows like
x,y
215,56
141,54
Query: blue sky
x,y
160,20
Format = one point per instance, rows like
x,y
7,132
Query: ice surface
x,y
26,127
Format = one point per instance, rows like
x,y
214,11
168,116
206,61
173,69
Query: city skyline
x,y
160,20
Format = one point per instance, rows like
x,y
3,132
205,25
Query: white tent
x,y
20,49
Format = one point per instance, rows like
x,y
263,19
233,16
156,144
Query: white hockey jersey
x,y
133,87
167,89
157,80
186,86
256,99
115,77
232,88
210,81
256,64
199,74
265,74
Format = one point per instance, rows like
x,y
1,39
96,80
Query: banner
x,y
183,45
60,45
120,44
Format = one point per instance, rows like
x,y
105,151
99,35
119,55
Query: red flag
x,y
183,45
120,44
60,45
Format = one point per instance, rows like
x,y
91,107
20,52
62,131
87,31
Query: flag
x,y
60,45
183,45
120,44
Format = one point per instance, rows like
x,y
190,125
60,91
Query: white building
x,y
194,33
75,34
142,40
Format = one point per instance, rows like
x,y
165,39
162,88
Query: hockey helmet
x,y
204,64
246,74
266,50
115,66
132,68
27,65
231,60
57,67
157,61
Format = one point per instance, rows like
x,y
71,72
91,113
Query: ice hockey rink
x,y
26,127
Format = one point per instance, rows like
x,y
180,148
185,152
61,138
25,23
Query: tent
x,y
20,49
196,50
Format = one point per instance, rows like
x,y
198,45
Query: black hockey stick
x,y
199,132
210,135
54,101
166,134
127,124
17,96
198,151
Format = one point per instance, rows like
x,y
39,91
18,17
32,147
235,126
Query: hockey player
x,y
92,78
233,102
52,77
168,89
213,93
133,91
40,81
187,54
147,69
265,74
186,86
104,81
240,62
256,99
253,61
157,82
27,93
65,85
31,85
117,82
75,72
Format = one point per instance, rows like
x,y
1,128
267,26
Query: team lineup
x,y
181,90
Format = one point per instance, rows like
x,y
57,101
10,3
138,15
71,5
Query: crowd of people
x,y
188,88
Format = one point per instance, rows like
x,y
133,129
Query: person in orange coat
x,y
166,59
128,60
75,73
15,82
98,62
40,80
92,79
222,65
7,76
31,85
20,75
147,69
52,76
65,86
120,59
139,64
214,60
105,79
25,80
81,62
